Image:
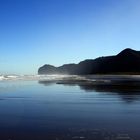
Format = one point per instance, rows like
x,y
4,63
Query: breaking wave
x,y
40,77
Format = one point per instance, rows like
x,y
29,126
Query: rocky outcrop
x,y
127,61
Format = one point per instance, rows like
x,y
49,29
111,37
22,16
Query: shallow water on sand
x,y
32,110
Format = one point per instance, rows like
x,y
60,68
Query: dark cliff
x,y
127,61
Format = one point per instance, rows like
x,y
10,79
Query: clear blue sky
x,y
36,32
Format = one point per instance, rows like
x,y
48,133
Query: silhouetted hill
x,y
127,61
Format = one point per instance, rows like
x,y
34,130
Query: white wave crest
x,y
39,77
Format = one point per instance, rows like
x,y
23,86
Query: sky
x,y
38,32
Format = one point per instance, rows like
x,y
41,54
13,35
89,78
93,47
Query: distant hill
x,y
127,61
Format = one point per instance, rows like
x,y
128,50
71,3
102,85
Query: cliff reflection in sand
x,y
128,90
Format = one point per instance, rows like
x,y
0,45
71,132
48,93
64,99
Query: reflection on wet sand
x,y
88,134
127,90
88,109
127,87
